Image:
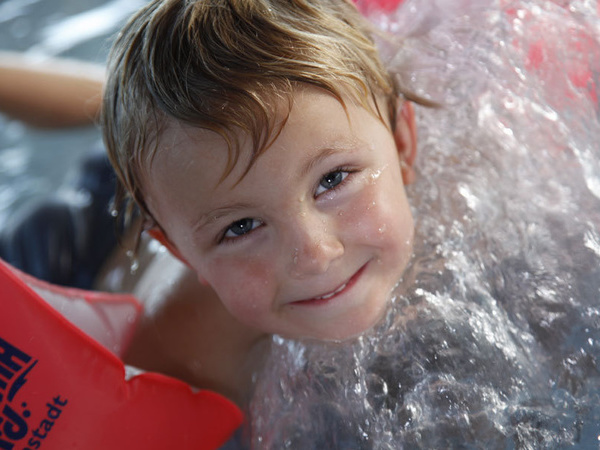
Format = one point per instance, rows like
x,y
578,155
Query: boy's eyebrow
x,y
311,162
215,214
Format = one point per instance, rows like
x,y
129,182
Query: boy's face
x,y
312,240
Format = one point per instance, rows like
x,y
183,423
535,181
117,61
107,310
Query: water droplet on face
x,y
382,228
374,175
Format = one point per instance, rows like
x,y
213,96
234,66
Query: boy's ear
x,y
405,135
161,237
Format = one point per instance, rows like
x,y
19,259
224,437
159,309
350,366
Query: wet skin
x,y
312,240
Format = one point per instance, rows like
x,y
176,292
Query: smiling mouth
x,y
339,290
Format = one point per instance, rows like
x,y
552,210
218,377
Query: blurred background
x,y
35,163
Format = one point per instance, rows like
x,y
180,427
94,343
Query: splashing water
x,y
493,337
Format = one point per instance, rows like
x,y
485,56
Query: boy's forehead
x,y
183,147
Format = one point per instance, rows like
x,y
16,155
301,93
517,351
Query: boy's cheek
x,y
381,218
240,284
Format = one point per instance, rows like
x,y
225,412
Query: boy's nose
x,y
314,248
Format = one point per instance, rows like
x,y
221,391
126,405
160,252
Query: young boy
x,y
267,148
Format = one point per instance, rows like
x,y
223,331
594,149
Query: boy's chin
x,y
345,332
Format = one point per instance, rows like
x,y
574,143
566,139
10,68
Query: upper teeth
x,y
331,294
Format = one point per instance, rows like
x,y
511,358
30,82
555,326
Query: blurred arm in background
x,y
50,93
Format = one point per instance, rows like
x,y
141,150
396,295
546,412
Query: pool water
x,y
493,337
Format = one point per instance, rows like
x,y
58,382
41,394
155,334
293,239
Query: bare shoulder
x,y
185,331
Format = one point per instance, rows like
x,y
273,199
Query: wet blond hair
x,y
223,65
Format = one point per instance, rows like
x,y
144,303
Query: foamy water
x,y
493,337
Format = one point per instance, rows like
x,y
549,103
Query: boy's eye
x,y
241,227
331,181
